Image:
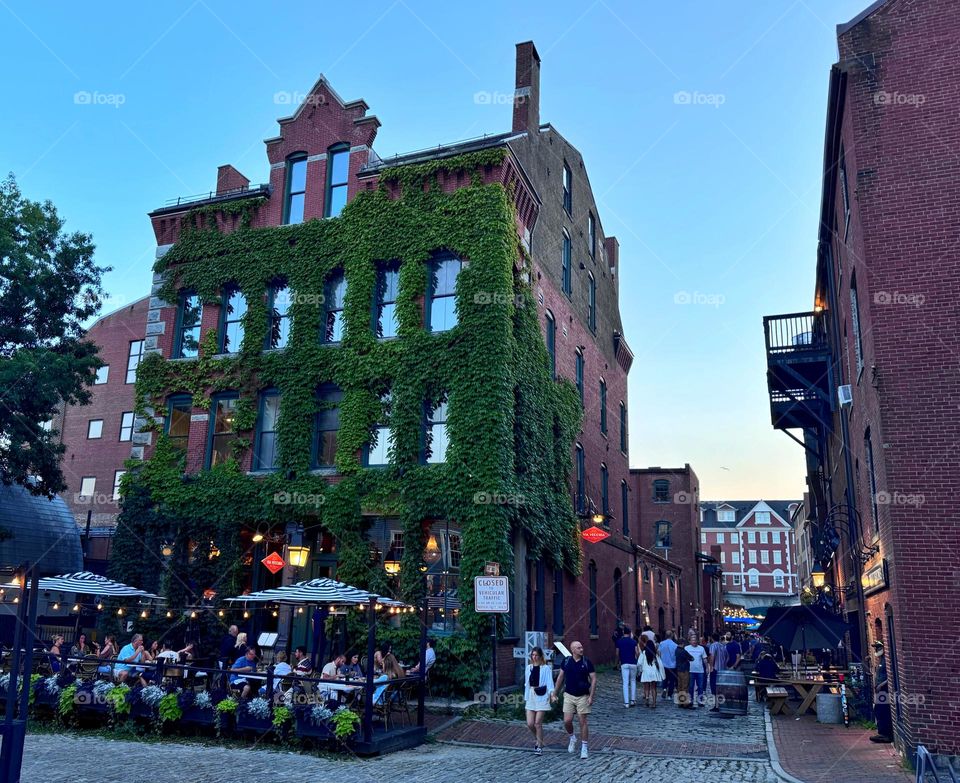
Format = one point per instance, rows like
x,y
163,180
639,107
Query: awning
x,y
87,583
319,591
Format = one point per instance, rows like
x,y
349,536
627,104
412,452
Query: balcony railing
x,y
795,333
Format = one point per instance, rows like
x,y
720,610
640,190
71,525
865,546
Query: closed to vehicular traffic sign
x,y
491,594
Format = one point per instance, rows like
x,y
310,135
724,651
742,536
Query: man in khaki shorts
x,y
580,678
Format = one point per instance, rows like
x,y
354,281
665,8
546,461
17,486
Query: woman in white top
x,y
651,672
539,686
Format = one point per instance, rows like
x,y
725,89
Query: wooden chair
x,y
404,700
384,707
776,699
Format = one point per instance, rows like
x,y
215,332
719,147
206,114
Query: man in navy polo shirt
x,y
580,678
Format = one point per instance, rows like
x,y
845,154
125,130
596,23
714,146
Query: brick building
x,y
756,549
321,160
866,375
98,436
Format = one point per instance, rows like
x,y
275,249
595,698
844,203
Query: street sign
x,y
273,562
491,594
491,569
594,534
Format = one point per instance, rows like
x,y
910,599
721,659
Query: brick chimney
x,y
228,178
611,248
526,98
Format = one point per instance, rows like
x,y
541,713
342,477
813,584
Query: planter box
x,y
141,710
308,729
194,716
248,723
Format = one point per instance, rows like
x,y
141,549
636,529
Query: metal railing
x,y
213,195
927,769
795,333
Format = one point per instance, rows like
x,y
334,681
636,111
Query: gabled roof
x,y
742,509
868,11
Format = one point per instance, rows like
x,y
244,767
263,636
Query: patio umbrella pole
x,y
422,668
368,688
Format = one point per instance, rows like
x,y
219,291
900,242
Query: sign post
x,y
491,594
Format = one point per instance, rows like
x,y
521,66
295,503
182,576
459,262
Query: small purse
x,y
540,690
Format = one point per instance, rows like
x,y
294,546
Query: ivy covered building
x,y
395,363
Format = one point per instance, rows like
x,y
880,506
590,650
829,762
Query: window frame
x,y
123,416
335,276
277,286
341,148
659,538
855,325
380,426
215,401
580,467
130,356
762,518
566,265
224,320
871,481
567,189
429,410
625,507
592,235
93,490
90,423
658,496
591,302
178,400
292,160
180,329
431,295
605,493
624,445
603,406
105,369
335,392
550,339
579,373
117,476
265,394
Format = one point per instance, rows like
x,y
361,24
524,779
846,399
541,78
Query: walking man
x,y
580,678
627,649
683,678
668,656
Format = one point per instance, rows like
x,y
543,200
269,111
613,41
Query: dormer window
x,y
338,170
296,191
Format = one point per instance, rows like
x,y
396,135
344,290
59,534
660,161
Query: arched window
x,y
594,619
565,262
618,593
591,302
551,337
592,234
579,376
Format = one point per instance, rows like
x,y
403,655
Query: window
x,y
567,190
88,486
126,426
117,475
102,374
222,431
703,538
326,425
591,302
94,429
775,536
551,337
377,452
189,312
605,493
565,266
872,478
338,169
441,307
661,534
845,192
296,188
558,602
661,491
719,538
133,360
581,481
233,307
618,593
764,536
726,515
751,537
855,323
660,578
603,406
752,556
455,550
735,558
594,620
179,410
265,448
335,291
579,372
625,507
754,578
592,235
777,557
762,517
734,538
436,437
279,299
385,318
765,556
778,581
723,557
736,579
623,428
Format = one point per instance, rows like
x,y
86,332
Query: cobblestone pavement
x,y
97,760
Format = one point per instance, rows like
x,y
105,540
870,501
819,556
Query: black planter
x,y
248,724
307,729
194,716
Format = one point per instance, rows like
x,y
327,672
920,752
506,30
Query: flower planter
x,y
141,710
194,716
250,724
306,728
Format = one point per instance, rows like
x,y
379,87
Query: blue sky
x,y
713,193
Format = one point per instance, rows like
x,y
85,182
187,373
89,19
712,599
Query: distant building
x,y
756,547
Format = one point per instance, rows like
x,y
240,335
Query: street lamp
x,y
298,555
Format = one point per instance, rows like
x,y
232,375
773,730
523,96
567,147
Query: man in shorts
x,y
580,678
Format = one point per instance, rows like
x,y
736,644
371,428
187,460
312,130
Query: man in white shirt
x,y
331,671
429,657
698,669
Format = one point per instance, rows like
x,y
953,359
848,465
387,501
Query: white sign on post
x,y
491,594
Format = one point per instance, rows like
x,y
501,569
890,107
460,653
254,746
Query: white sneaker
x,y
583,750
572,744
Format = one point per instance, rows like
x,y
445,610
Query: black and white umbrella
x,y
319,591
87,583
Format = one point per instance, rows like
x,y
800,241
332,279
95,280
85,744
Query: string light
x,y
193,615
76,608
276,613
246,614
144,614
220,613
100,607
169,614
120,612
56,606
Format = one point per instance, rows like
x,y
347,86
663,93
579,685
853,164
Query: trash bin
x,y
828,708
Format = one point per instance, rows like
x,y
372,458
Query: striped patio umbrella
x,y
87,583
319,591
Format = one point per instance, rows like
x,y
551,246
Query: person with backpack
x,y
539,685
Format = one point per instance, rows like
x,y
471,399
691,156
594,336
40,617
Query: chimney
x,y
228,179
526,98
611,248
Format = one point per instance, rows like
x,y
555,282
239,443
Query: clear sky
x,y
701,124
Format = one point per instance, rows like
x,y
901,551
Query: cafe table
x,y
807,690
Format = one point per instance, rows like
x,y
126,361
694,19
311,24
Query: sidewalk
x,y
817,753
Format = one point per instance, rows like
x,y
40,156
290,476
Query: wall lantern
x,y
819,577
298,555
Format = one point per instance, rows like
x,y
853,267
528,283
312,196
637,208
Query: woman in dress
x,y
539,686
651,673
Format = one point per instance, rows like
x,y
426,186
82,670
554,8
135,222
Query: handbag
x,y
539,690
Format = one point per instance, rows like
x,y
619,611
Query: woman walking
x,y
539,679
651,673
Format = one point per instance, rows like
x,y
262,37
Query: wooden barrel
x,y
731,692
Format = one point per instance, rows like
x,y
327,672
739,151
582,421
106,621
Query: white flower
x,y
319,714
151,695
259,708
51,686
202,701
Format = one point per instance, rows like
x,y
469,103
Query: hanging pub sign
x,y
594,534
875,579
273,562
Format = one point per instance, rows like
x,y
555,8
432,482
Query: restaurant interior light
x,y
100,606
432,552
246,615
298,555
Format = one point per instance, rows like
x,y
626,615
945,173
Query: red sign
x,y
594,534
273,562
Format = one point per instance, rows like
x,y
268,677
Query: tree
x,y
49,285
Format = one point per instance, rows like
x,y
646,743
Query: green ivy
x,y
511,424
169,708
117,699
67,700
